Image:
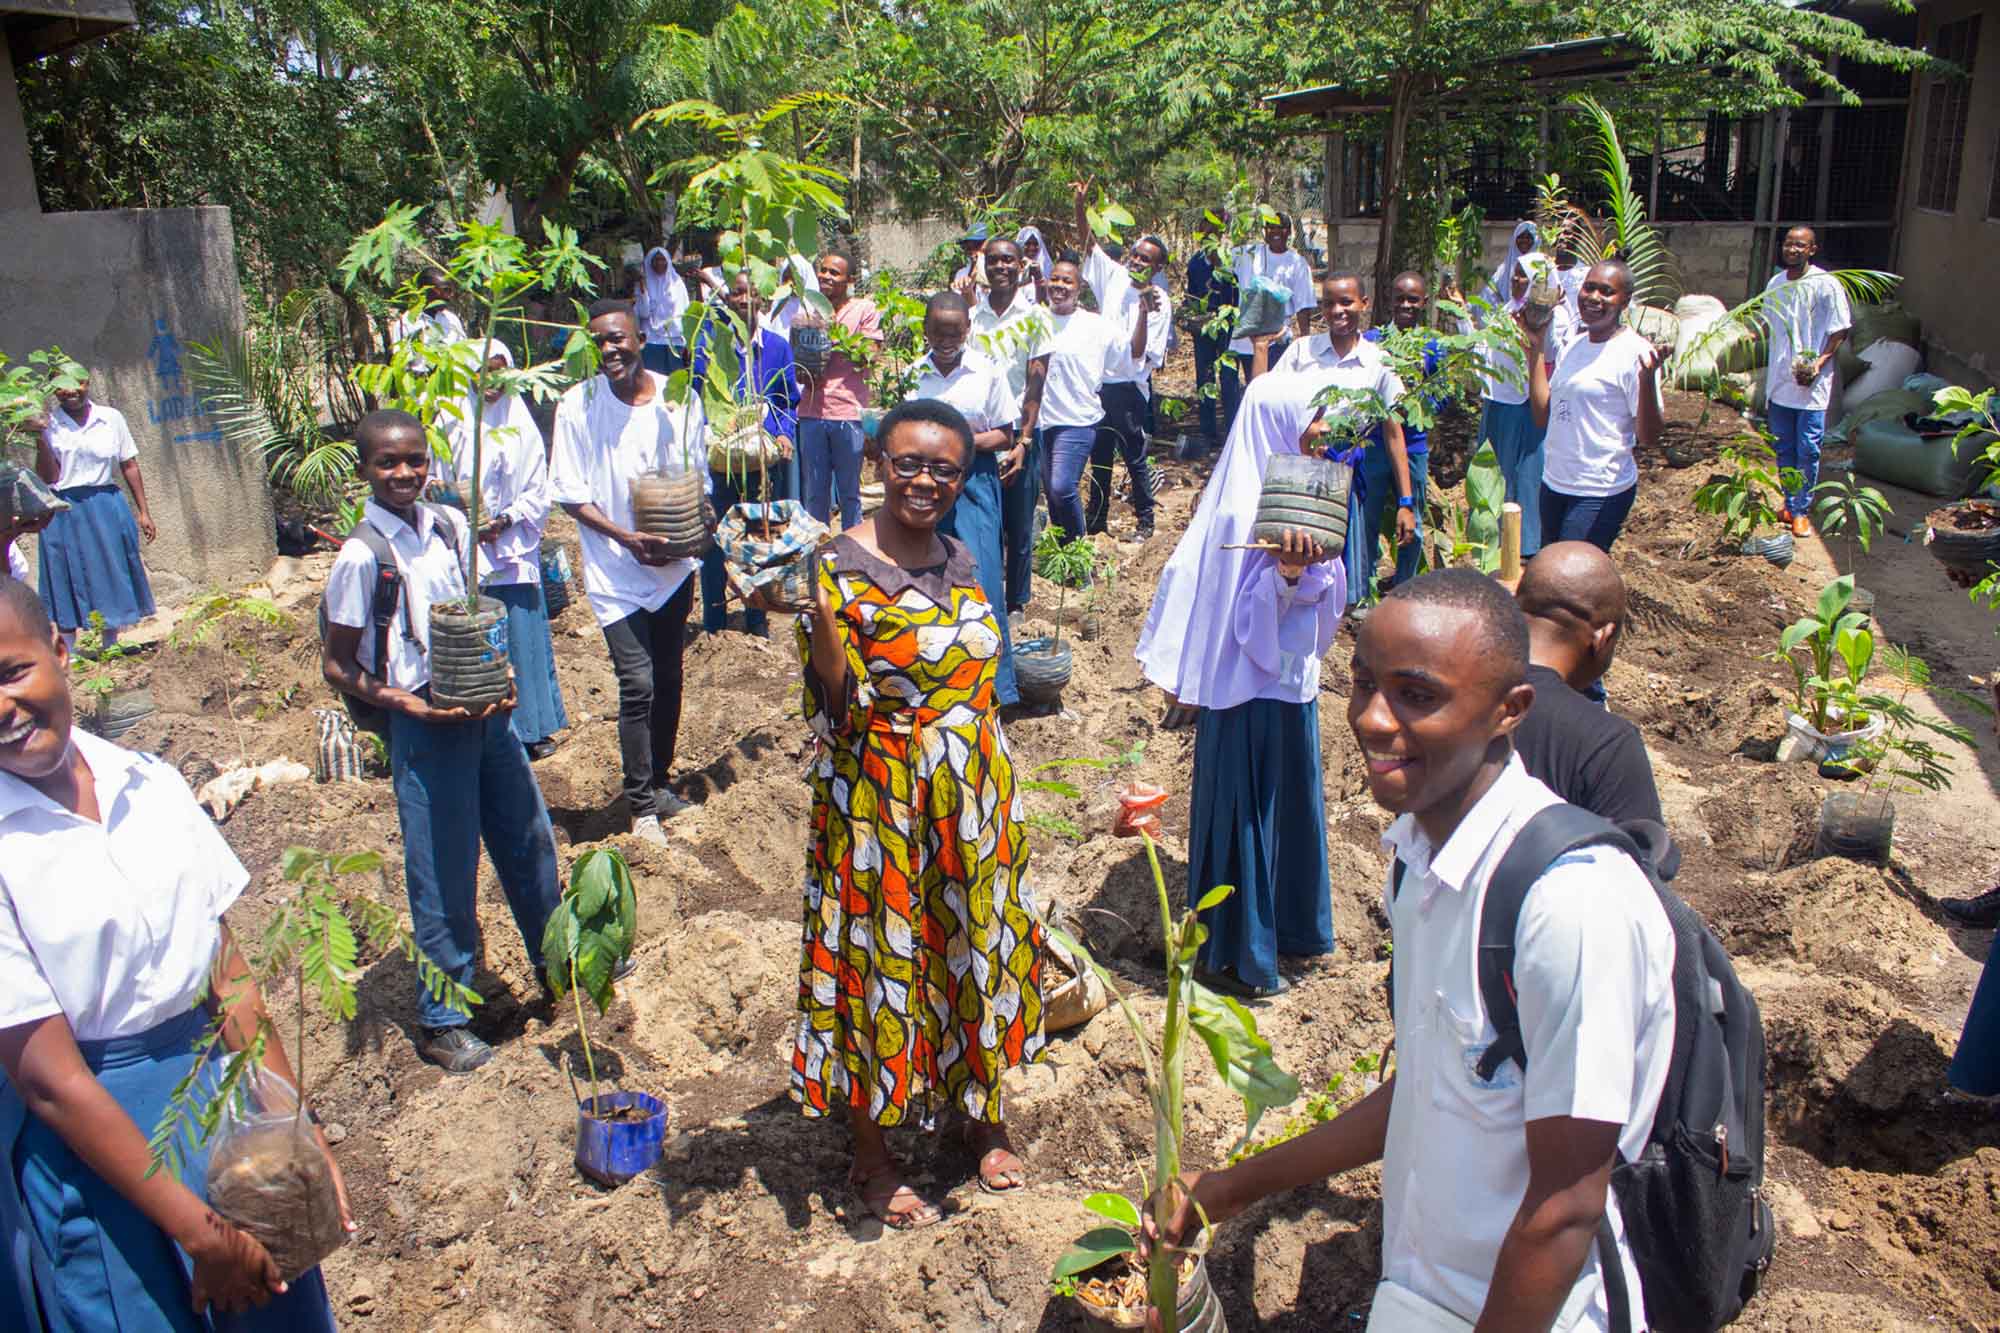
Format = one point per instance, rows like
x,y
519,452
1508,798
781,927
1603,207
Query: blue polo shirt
x,y
1414,441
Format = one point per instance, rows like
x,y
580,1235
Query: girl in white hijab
x,y
663,299
514,501
1037,263
1504,417
1526,236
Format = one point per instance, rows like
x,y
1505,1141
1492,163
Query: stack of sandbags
x,y
1703,352
1880,352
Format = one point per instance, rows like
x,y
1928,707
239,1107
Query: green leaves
x,y
1114,1207
1108,220
593,928
1242,1057
1091,1249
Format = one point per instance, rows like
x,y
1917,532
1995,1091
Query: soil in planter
x,y
1120,1294
273,1182
619,1115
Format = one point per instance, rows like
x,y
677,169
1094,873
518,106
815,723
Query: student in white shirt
x,y
114,959
1275,263
1807,312
972,247
609,430
513,504
1007,325
1140,312
1600,401
436,323
1504,415
11,533
90,551
661,302
974,384
1492,1189
1036,261
1081,349
460,776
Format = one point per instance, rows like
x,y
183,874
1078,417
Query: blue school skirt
x,y
538,708
90,561
78,1251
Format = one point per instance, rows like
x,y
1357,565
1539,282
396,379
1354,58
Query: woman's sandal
x,y
878,1190
1001,1170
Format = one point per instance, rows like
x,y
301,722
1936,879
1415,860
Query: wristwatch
x,y
1406,502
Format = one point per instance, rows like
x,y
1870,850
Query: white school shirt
x,y
90,453
1082,350
1366,366
1816,306
1009,337
433,571
1288,269
600,446
516,485
977,387
112,925
17,564
1505,380
1593,411
1120,303
1593,967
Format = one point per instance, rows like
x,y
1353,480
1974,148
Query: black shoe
x,y
1145,532
1981,912
541,749
454,1050
1230,984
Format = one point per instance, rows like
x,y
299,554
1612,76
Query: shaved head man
x,y
1574,603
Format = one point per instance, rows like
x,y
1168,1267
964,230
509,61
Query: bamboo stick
x,y
1510,541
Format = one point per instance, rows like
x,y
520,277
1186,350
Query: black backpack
x,y
1695,1217
383,603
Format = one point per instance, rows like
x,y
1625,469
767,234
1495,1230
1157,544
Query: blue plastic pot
x,y
612,1152
871,422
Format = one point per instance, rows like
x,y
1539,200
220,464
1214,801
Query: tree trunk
x,y
1402,98
555,189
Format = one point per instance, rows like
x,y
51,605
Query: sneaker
x,y
454,1050
1145,533
1981,912
646,828
1801,527
667,803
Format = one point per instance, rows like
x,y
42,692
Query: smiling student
x,y
1493,1187
114,957
1081,350
460,777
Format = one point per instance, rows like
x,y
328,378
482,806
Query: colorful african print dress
x,y
920,972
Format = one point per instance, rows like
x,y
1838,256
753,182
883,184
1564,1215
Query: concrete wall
x,y
1715,257
124,291
896,243
1950,262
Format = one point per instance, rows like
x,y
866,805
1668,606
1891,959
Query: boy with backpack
x,y
1540,1004
458,775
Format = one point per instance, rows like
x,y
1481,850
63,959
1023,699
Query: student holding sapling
x,y
1598,403
1494,1184
1806,310
1007,325
1505,418
611,429
514,499
104,996
830,436
1081,350
920,981
459,776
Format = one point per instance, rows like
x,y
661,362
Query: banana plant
x,y
1243,1061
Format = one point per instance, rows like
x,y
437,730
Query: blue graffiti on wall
x,y
177,404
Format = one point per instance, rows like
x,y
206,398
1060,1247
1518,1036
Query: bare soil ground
x,y
474,1216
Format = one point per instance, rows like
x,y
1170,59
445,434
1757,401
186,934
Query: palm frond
x,y
1632,237
1864,286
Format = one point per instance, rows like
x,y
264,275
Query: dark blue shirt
x,y
1216,287
781,382
1414,441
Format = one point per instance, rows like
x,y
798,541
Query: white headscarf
x,y
663,299
1188,632
1047,260
513,464
1499,291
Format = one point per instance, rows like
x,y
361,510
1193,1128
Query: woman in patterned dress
x,y
920,972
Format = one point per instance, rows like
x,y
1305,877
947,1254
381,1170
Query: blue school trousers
x,y
1798,431
1371,510
830,468
975,519
1259,823
458,783
538,709
1017,527
1596,519
1065,451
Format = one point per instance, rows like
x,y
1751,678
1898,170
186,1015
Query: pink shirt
x,y
841,393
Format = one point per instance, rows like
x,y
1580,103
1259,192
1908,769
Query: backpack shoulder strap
x,y
441,516
1551,834
387,594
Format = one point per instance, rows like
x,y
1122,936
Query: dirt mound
x,y
1840,915
1839,1045
1765,819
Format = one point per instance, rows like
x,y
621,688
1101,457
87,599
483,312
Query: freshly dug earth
x,y
473,1215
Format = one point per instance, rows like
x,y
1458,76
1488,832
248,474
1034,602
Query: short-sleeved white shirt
x,y
1082,349
433,572
1288,269
977,387
1505,379
1593,968
90,453
1814,308
17,563
601,445
1009,337
1366,366
112,925
1593,412
1119,302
